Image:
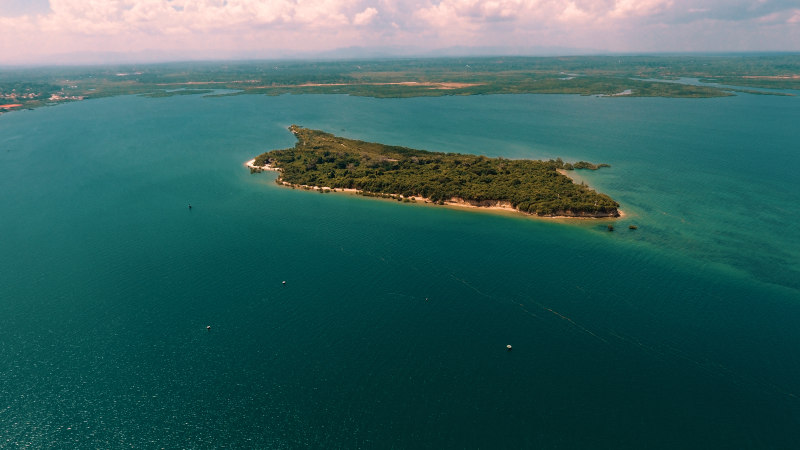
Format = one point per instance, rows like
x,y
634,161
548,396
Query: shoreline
x,y
251,164
499,207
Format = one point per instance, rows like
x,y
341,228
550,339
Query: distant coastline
x,y
609,76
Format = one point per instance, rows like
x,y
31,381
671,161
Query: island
x,y
325,162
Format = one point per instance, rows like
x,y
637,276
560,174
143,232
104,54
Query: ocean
x,y
392,326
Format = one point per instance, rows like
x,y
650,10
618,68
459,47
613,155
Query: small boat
x,y
611,228
632,227
508,347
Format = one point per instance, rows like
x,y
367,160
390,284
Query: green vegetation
x,y
160,94
618,76
583,165
536,187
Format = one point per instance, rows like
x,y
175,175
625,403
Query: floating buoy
x,y
208,327
508,347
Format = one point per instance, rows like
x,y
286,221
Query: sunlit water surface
x,y
391,329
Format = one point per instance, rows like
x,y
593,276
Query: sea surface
x,y
392,326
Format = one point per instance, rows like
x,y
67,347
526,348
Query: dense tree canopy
x,y
535,187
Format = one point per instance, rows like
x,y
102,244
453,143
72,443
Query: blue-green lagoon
x,y
391,329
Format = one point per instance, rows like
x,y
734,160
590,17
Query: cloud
x,y
638,8
365,17
536,13
687,11
260,25
12,8
472,11
121,16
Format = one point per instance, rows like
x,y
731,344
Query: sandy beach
x,y
252,165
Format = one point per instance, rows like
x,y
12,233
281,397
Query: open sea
x,y
391,329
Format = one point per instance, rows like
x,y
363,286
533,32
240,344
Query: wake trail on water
x,y
544,308
571,322
665,352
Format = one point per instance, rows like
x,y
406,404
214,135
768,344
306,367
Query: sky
x,y
97,31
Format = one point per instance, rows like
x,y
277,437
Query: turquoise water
x,y
683,333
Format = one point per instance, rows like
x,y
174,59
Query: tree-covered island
x,y
321,159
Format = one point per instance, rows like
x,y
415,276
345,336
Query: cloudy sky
x,y
38,31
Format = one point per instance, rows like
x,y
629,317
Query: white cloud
x,y
321,13
638,8
120,16
365,17
475,11
529,11
575,14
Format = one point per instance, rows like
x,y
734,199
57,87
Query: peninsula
x,y
610,76
323,161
